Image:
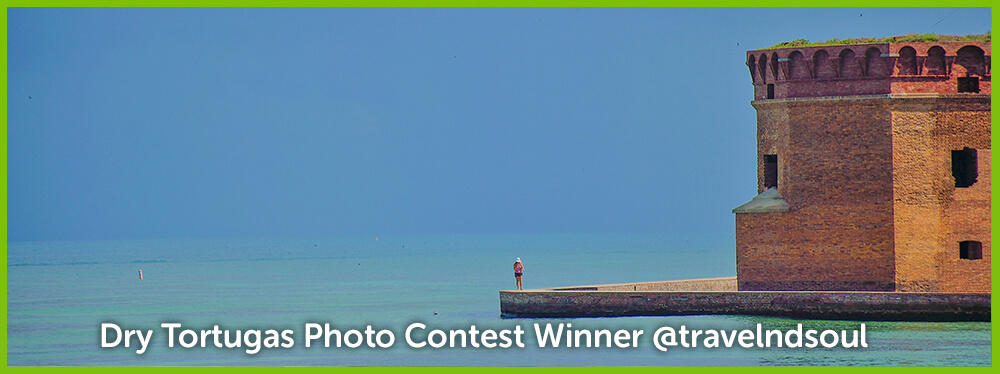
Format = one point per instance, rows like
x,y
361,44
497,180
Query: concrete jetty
x,y
719,296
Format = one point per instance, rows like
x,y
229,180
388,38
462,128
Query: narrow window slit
x,y
770,171
964,167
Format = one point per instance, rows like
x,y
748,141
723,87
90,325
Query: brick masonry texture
x,y
864,136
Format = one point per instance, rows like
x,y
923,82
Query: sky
x,y
283,123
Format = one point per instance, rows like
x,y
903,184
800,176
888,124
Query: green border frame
x,y
463,3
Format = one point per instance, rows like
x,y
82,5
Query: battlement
x,y
944,67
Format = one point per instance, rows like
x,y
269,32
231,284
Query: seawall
x,y
719,296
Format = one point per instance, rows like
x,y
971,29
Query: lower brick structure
x,y
871,202
827,248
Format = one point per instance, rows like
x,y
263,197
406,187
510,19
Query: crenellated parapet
x,y
871,69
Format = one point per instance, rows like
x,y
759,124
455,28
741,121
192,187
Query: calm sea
x,y
58,294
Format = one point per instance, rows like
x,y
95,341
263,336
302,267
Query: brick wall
x,y
932,215
873,200
835,172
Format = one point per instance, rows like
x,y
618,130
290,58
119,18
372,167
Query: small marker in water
x,y
140,273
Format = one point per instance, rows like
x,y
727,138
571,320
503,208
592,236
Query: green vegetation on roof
x,y
909,38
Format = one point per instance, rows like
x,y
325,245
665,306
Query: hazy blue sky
x,y
174,123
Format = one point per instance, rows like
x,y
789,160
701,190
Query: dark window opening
x,y
770,171
770,91
964,167
970,250
968,84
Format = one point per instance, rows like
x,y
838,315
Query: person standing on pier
x,y
518,271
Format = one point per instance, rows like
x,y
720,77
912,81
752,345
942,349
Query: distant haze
x,y
178,123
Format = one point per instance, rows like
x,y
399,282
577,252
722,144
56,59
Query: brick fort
x,y
873,169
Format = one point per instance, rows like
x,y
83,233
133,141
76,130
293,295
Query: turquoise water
x,y
58,294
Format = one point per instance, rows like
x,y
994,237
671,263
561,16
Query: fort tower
x,y
873,169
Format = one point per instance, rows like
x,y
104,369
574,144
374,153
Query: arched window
x,y
972,59
874,63
849,66
752,64
935,61
970,64
762,67
906,64
824,69
774,66
797,68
